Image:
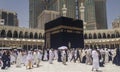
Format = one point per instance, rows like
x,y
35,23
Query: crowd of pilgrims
x,y
95,57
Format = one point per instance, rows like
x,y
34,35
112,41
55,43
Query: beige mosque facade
x,y
105,38
15,37
19,37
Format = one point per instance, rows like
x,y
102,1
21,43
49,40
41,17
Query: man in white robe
x,y
102,51
106,56
51,56
45,55
12,61
95,57
69,55
64,57
56,54
35,58
19,60
24,55
88,56
39,56
29,60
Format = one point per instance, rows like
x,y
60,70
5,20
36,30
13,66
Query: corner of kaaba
x,y
64,31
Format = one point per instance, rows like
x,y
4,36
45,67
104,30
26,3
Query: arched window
x,y
113,35
117,34
99,36
104,35
95,36
90,36
40,35
85,36
21,34
3,33
36,36
9,34
15,34
31,35
26,35
108,36
43,36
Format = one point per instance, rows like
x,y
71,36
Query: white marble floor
x,y
59,67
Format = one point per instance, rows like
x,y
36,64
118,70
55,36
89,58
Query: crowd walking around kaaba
x,y
97,57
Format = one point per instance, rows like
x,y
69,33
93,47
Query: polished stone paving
x,y
59,67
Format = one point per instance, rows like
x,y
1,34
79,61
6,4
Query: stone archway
x,y
113,36
117,35
85,36
31,35
108,36
90,36
99,35
104,35
36,36
40,36
43,36
94,36
21,34
9,34
26,35
3,33
15,34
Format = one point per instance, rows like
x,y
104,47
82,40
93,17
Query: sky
x,y
21,7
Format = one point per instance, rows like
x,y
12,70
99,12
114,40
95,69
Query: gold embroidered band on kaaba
x,y
64,27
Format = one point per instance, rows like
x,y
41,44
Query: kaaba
x,y
64,31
